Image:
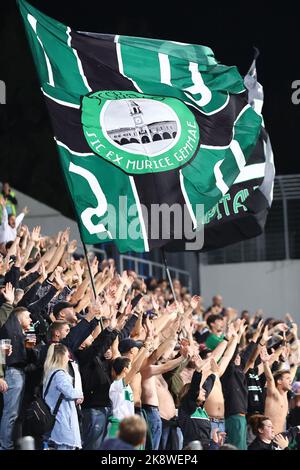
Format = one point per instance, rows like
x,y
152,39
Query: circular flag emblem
x,y
139,133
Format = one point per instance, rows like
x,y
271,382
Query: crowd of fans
x,y
134,368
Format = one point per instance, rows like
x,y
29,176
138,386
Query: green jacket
x,y
5,310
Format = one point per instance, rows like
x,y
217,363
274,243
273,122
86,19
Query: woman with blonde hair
x,y
65,434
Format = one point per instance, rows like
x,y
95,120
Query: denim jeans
x,y
94,426
64,447
155,425
217,424
15,379
165,436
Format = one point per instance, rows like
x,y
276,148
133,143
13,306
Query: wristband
x,y
261,344
226,339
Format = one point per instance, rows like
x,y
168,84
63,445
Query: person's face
x,y
164,285
285,382
267,431
69,315
12,221
217,300
63,332
25,321
218,325
6,188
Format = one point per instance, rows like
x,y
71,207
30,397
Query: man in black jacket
x,y
15,327
96,381
235,390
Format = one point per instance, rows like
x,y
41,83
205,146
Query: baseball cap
x,y
296,388
60,306
126,344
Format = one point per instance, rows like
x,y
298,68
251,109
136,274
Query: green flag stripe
x,y
158,62
59,53
224,163
85,198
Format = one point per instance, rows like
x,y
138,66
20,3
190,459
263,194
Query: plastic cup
x,y
30,340
5,346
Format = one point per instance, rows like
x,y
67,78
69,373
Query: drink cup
x,y
30,340
5,346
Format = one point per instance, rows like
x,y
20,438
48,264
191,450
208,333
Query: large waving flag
x,y
242,212
140,123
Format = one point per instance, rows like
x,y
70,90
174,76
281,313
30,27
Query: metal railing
x,y
147,268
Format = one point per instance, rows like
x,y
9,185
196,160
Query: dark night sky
x,y
28,155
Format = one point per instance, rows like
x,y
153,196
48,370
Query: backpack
x,y
38,419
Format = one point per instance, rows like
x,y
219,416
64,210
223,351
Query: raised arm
x,y
271,386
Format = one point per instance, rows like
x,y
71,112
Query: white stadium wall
x,y
50,220
272,286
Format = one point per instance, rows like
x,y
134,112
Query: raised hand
x,y
258,330
265,336
25,211
22,231
65,236
9,293
110,297
58,279
42,272
195,301
35,235
72,247
79,270
58,238
95,306
265,357
231,331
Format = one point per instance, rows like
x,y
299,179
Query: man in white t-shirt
x,y
10,224
121,394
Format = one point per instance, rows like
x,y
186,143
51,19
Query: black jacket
x,y
234,384
192,419
258,444
94,372
20,356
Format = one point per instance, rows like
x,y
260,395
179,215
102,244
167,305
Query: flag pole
x,y
168,272
91,278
